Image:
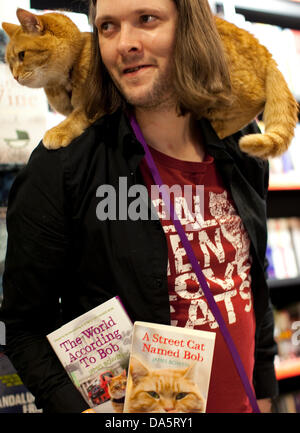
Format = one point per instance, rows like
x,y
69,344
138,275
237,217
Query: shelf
x,y
276,12
74,5
284,292
282,187
283,203
287,282
289,180
287,369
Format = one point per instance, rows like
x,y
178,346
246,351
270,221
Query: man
x,y
162,61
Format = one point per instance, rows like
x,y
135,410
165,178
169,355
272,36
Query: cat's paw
x,y
57,137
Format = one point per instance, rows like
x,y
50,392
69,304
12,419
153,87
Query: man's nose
x,y
129,40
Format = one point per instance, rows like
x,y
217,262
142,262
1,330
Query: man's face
x,y
136,39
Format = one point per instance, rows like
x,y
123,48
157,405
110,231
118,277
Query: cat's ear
x,y
137,370
190,372
30,23
10,28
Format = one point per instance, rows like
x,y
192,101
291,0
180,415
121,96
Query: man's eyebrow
x,y
102,18
141,11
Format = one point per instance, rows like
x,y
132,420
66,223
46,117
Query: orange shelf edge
x,y
284,187
287,368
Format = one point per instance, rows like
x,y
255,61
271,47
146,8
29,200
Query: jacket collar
x,y
118,132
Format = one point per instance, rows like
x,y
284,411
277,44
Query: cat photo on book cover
x,y
163,390
49,51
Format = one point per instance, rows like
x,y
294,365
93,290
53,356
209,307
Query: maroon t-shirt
x,y
221,245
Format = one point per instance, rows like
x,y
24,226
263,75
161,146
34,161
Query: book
x,y
282,248
3,242
295,232
14,396
23,113
94,348
169,369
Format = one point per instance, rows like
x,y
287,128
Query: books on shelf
x,y
285,169
284,248
288,403
169,369
287,336
94,348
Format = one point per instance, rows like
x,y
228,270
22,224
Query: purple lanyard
x,y
194,262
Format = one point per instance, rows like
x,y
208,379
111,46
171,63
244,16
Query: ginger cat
x,y
116,390
162,390
49,51
257,85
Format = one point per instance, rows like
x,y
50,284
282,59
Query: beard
x,y
157,97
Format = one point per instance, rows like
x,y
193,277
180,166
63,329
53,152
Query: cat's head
x,y
164,390
39,51
117,385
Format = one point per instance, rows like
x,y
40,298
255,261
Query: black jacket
x,y
62,261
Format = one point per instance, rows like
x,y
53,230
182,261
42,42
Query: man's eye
x,y
106,27
148,18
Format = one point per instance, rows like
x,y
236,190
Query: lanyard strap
x,y
194,262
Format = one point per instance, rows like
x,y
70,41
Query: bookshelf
x,y
283,13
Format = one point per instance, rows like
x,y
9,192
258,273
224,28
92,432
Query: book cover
x,y
14,396
23,113
94,349
3,242
295,232
169,369
283,253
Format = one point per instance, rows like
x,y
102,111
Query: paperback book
x,y
94,349
14,396
169,369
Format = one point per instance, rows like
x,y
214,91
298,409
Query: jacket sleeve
x,y
257,172
264,378
265,382
34,277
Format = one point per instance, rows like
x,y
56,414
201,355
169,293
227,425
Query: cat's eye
x,y
181,395
153,394
21,55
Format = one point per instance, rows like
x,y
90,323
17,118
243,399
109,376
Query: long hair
x,y
201,77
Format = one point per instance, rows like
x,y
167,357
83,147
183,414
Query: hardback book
x,y
94,349
169,369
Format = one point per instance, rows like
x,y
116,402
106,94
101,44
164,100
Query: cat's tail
x,y
280,118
